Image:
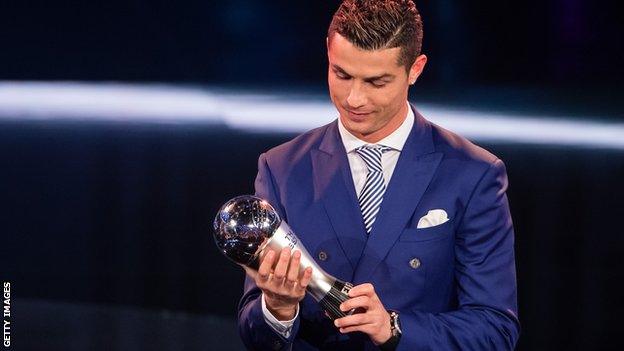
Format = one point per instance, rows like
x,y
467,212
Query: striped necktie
x,y
372,194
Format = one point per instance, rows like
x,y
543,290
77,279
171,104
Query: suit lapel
x,y
333,183
414,170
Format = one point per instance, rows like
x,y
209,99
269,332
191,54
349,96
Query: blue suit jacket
x,y
463,294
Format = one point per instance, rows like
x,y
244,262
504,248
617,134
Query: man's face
x,y
369,88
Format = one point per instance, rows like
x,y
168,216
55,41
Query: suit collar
x,y
420,141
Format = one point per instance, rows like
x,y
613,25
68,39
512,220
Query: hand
x,y
283,286
374,321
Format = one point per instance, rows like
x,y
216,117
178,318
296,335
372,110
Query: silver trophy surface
x,y
247,227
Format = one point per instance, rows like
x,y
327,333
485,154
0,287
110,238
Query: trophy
x,y
247,227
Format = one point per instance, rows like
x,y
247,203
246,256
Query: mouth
x,y
357,115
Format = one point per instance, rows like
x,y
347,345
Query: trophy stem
x,y
338,294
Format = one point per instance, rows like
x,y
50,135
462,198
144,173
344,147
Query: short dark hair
x,y
380,24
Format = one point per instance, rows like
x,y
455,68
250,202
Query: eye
x,y
378,84
342,76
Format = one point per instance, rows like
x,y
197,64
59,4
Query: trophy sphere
x,y
243,226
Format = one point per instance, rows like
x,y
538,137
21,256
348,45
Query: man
x,y
413,215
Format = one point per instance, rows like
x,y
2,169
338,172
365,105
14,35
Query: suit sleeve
x,y
486,279
255,332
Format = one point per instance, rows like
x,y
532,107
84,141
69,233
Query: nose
x,y
356,98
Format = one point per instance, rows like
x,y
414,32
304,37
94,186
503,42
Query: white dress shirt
x,y
389,159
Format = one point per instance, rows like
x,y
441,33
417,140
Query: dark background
x,y
106,226
563,46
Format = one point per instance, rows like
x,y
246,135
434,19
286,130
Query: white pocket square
x,y
432,218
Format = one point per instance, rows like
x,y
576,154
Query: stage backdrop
x,y
117,217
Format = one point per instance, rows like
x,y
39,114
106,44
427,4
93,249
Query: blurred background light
x,y
275,112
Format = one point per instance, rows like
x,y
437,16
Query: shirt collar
x,y
395,140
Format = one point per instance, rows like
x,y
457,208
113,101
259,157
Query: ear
x,y
417,68
327,44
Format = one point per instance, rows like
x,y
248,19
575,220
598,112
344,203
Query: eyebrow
x,y
386,75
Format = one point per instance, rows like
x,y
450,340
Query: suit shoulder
x,y
469,163
295,149
457,147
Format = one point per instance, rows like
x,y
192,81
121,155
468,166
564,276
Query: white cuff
x,y
282,327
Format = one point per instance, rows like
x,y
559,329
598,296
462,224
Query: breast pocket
x,y
437,232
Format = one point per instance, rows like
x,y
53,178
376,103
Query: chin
x,y
359,130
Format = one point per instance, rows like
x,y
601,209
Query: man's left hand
x,y
374,320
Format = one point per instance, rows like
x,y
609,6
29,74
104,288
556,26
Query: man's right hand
x,y
283,286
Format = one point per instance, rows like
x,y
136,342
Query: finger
x,y
265,266
293,269
305,280
362,289
279,273
364,328
360,301
354,319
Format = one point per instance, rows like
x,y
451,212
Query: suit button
x,y
277,345
322,256
414,263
